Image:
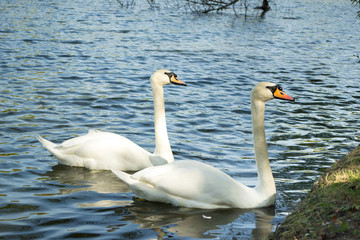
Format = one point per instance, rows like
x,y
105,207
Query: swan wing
x,y
75,142
101,150
188,184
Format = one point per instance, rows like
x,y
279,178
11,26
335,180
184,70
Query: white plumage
x,y
105,150
198,185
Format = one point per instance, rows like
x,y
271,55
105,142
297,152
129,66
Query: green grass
x,y
331,210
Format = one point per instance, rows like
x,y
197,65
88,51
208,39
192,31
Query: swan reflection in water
x,y
77,179
162,218
198,223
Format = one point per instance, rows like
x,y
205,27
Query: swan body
x,y
105,150
198,185
192,184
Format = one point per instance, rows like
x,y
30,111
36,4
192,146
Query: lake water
x,y
70,66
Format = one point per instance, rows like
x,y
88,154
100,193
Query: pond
x,y
70,66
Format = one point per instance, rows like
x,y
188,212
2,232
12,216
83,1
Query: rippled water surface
x,y
70,66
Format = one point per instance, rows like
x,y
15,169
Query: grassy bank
x,y
331,210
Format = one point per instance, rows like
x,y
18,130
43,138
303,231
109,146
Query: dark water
x,y
70,66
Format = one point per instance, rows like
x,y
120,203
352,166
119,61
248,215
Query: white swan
x,y
197,185
105,150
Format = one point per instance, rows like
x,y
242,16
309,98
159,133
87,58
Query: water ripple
x,y
71,66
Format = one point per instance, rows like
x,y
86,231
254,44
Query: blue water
x,y
70,66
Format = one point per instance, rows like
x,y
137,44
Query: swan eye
x,y
170,74
279,87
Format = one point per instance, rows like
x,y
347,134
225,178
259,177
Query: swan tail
x,y
46,143
125,177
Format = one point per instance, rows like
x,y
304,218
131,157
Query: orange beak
x,y
281,95
176,81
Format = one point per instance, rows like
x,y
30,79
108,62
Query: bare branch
x,y
212,5
206,6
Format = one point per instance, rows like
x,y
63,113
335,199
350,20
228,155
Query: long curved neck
x,y
162,144
266,183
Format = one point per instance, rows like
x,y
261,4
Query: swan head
x,y
163,77
266,91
